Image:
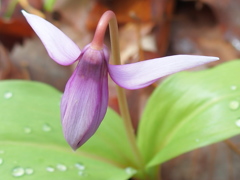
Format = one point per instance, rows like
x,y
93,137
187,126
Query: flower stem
x,y
122,100
25,4
109,18
10,9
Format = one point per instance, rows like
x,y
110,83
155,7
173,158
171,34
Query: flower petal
x,y
141,74
85,99
59,47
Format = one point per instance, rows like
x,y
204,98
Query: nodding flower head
x,y
85,99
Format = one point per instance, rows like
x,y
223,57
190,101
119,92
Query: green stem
x,y
155,173
10,9
109,18
122,100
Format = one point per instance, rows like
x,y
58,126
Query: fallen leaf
x,y
215,162
33,57
15,28
124,10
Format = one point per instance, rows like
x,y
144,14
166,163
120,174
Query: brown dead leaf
x,y
73,20
33,57
227,13
5,63
133,38
163,14
196,31
140,12
124,11
7,69
215,162
14,28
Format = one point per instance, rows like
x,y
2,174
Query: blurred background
x,y
147,29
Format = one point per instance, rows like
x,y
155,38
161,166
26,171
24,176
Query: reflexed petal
x,y
85,99
141,74
59,47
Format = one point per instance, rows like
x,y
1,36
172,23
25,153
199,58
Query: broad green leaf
x,y
190,110
31,141
111,142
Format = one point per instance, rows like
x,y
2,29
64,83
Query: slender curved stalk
x,y
232,146
25,4
109,18
10,8
121,92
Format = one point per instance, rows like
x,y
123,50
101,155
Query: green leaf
x,y
31,141
111,142
190,110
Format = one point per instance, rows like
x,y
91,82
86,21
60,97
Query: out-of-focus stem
x,y
121,92
232,146
25,4
10,9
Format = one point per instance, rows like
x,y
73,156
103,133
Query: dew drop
x,y
80,166
82,173
2,151
27,130
234,105
237,123
1,161
28,171
46,128
8,95
130,170
233,87
18,171
61,167
50,169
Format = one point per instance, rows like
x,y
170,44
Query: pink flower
x,y
85,99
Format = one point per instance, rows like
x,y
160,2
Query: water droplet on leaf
x,y
50,169
2,151
233,87
82,173
27,130
234,105
80,166
18,171
46,128
238,122
61,167
28,171
1,161
197,140
8,95
130,170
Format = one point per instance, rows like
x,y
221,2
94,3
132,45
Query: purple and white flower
x,y
85,99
